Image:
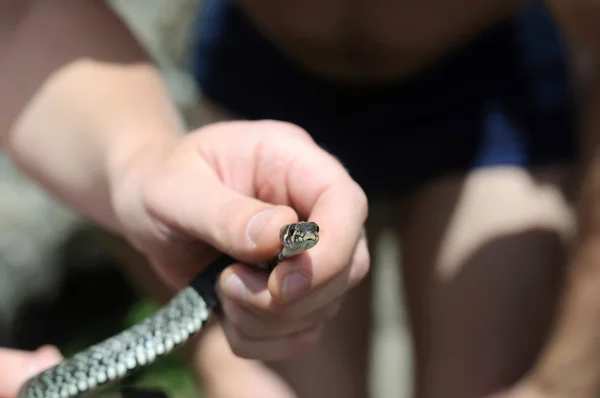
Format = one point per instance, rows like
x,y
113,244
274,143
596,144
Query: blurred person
x,y
465,116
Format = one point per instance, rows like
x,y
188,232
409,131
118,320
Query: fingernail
x,y
294,285
234,287
257,224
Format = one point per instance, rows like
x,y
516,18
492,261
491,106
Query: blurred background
x,y
56,270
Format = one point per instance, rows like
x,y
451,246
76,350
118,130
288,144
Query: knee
x,y
499,207
497,241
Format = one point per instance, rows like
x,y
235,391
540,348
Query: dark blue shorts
x,y
504,98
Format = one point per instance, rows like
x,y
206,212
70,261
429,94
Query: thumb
x,y
17,366
233,223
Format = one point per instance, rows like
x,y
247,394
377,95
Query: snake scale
x,y
115,358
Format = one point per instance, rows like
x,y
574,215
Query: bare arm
x,y
570,364
79,98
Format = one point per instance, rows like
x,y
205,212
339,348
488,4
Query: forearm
x,y
78,98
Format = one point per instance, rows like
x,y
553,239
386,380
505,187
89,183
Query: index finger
x,y
320,189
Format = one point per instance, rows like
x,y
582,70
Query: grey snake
x,y
113,359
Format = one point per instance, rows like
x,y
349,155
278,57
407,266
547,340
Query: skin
x,y
372,41
570,363
17,366
450,236
126,144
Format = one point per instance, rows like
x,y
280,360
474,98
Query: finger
x,y
271,349
348,278
234,223
249,287
322,191
17,366
254,327
288,167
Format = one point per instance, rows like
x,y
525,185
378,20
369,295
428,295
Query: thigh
x,y
483,263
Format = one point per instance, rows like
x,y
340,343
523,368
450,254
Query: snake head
x,y
298,235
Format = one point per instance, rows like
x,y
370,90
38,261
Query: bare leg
x,y
484,259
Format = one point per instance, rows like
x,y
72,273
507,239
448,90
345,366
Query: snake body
x,y
184,316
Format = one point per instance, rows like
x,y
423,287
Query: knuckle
x,y
333,267
361,263
246,324
171,276
290,129
275,312
227,230
304,341
240,349
231,311
332,310
237,343
360,269
322,315
273,319
362,203
252,330
155,192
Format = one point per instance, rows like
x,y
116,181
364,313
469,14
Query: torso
x,y
372,40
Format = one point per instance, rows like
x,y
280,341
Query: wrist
x,y
127,167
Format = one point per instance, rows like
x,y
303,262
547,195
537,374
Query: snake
x,y
184,316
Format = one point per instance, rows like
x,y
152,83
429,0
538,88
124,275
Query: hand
x,y
231,187
18,366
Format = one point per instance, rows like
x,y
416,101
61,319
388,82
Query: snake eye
x,y
292,229
316,227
